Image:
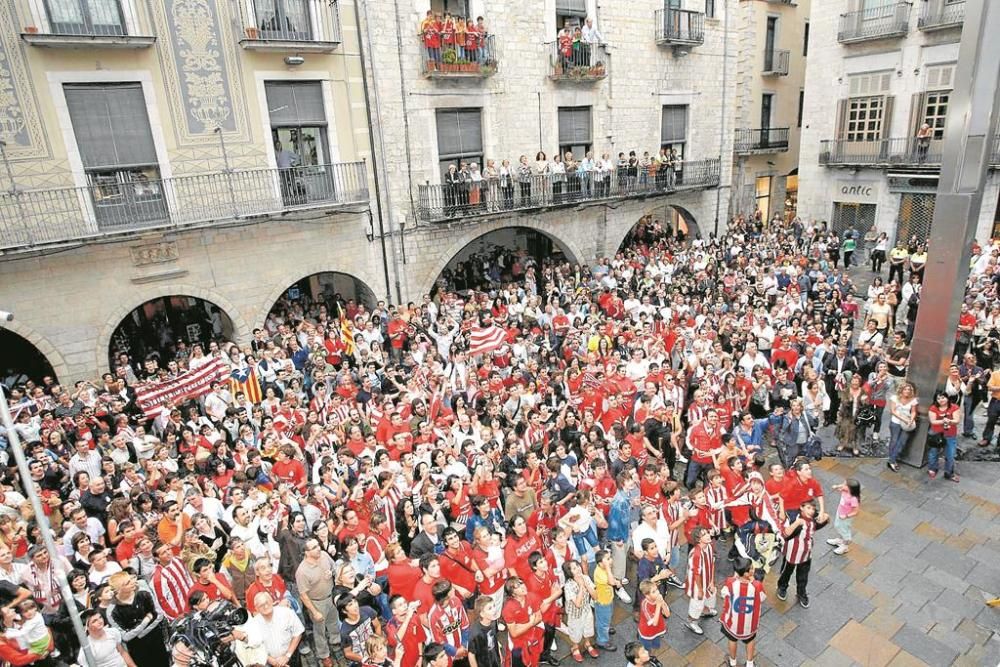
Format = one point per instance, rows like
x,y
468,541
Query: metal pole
x,y
968,142
45,529
722,113
227,171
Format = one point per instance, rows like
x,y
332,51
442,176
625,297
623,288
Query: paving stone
x,y
953,639
984,577
864,645
780,652
904,659
958,564
966,607
831,657
984,554
919,643
946,579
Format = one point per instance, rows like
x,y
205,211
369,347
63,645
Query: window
x,y
762,197
673,128
575,131
766,107
283,19
805,40
460,137
936,111
710,8
864,118
802,104
299,133
116,147
453,7
85,17
570,12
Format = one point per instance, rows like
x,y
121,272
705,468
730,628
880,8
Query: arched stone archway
x,y
673,216
240,330
10,356
430,275
293,276
322,286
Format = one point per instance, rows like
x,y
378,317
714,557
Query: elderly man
x,y
275,629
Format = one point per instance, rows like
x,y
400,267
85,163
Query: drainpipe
x,y
722,123
378,147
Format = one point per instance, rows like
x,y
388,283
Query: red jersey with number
x,y
652,623
742,602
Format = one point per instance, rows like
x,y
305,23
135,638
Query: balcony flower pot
x,y
252,33
431,65
31,29
558,71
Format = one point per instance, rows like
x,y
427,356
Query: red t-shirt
x,y
797,492
410,643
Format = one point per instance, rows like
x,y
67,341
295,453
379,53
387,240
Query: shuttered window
x,y
293,103
111,125
673,124
459,136
575,130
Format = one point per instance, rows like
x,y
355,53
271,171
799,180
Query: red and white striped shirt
x,y
673,511
716,497
447,622
172,584
742,602
798,548
701,571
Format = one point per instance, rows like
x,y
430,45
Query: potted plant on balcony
x,y
252,32
597,70
449,60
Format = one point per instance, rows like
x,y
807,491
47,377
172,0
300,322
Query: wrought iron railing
x,y
776,62
453,61
577,61
874,23
495,195
85,19
941,14
269,23
680,26
39,217
774,139
901,151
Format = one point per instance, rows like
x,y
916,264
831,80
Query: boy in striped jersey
x,y
700,580
799,538
742,596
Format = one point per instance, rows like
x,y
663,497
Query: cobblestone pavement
x,y
911,591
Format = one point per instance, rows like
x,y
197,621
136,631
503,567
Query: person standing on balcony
x,y
448,34
472,43
565,47
924,136
430,30
592,35
484,56
287,161
460,37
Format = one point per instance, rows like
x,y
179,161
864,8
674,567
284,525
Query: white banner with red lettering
x,y
152,396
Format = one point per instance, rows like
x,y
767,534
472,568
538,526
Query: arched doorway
x,y
668,221
499,256
21,361
166,326
311,295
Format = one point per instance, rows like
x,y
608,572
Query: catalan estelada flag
x,y
347,336
245,380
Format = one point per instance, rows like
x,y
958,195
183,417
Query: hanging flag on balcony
x,y
485,339
153,396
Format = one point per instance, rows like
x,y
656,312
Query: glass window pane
x,y
65,11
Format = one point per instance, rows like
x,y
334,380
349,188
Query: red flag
x,y
152,396
486,339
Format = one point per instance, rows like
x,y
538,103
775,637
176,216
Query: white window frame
x,y
868,128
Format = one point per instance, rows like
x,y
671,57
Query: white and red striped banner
x,y
152,396
486,339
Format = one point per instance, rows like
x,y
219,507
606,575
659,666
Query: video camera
x,y
204,631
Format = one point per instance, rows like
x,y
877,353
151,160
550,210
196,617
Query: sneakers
x,y
304,648
841,550
672,580
835,541
695,627
681,458
954,477
782,593
804,601
932,474
709,613
893,466
610,648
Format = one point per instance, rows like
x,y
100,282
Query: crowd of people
x,y
385,493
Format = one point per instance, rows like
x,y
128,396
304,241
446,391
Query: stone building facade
x,y
877,72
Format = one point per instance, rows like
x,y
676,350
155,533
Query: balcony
x,y
448,63
776,62
680,27
874,23
32,218
790,3
440,203
75,24
899,152
759,141
582,62
301,26
941,14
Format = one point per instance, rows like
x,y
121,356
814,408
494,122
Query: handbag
x,y
935,440
909,426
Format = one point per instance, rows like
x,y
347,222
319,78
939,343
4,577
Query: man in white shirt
x,y
590,34
216,403
273,633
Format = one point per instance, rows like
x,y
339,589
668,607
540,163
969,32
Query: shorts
x,y
731,638
651,644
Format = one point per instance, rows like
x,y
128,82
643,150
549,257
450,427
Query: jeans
x,y
950,448
968,407
992,414
898,439
602,622
694,471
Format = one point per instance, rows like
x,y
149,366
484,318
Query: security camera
x,y
294,61
5,316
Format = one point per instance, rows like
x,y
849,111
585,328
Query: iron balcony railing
x,y
782,2
452,62
577,61
940,14
310,25
76,22
902,151
776,62
680,27
874,23
444,202
39,217
761,140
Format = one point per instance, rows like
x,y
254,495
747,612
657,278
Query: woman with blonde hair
x,y
134,615
902,422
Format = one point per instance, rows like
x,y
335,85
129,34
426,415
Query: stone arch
x,y
241,332
690,222
426,282
44,347
290,278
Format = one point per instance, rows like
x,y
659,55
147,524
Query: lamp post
x,y
14,443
